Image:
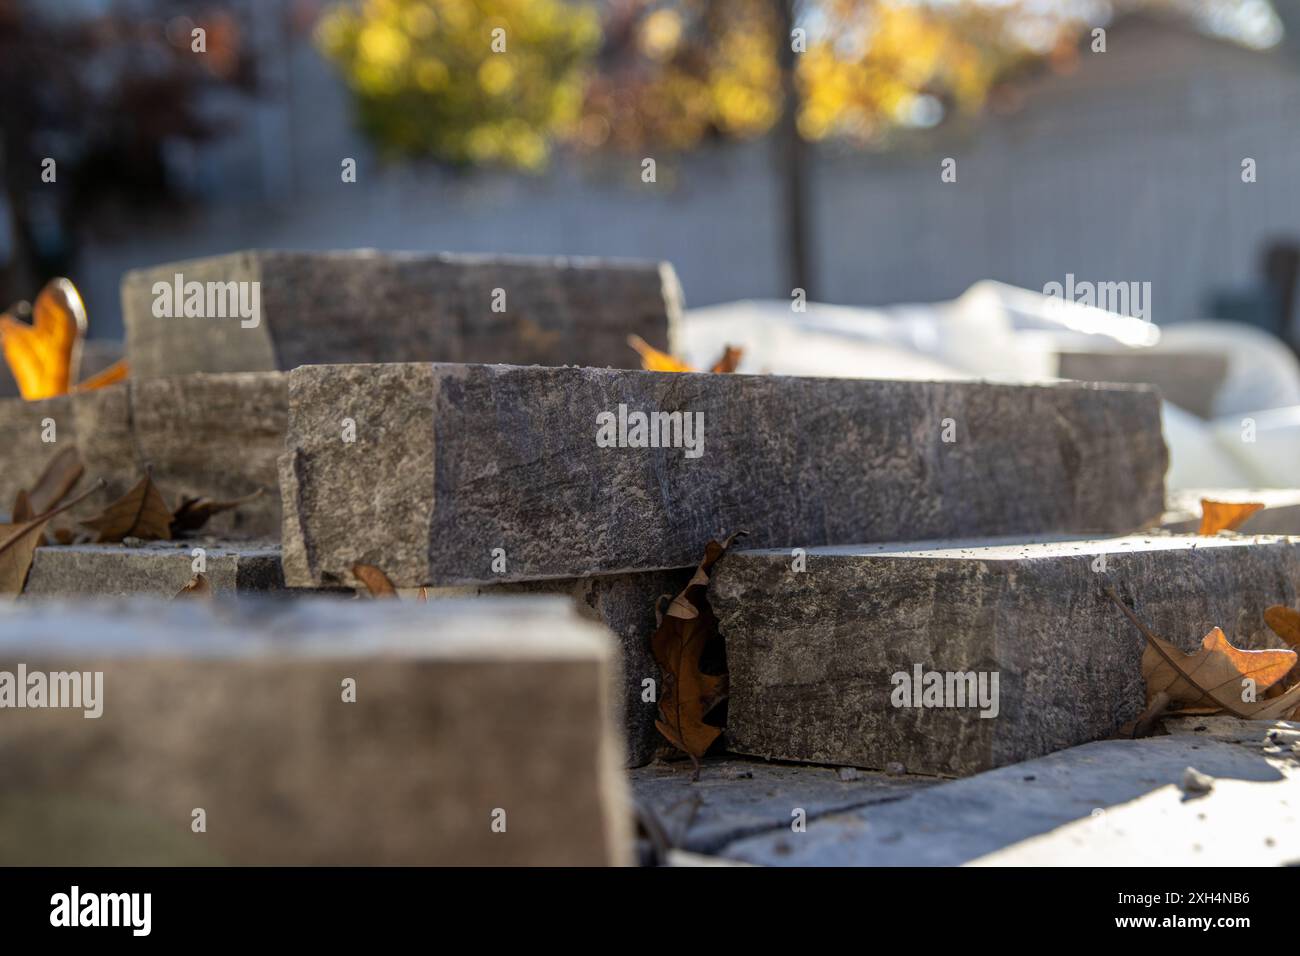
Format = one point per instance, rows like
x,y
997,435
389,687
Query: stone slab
x,y
736,798
812,655
625,605
451,462
157,568
215,436
368,306
1190,380
1109,803
462,709
1280,515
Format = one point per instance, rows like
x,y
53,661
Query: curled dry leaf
x,y
730,360
40,354
18,543
140,513
653,360
1219,516
1284,622
199,587
376,581
1215,677
56,481
193,513
684,634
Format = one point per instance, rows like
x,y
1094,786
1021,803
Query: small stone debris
x,y
848,774
895,769
1196,782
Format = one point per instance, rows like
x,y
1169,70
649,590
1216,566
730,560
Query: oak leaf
x,y
685,633
140,513
18,543
40,354
375,580
193,513
1219,516
1213,678
1284,622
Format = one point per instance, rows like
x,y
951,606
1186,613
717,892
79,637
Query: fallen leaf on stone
x,y
18,543
685,633
376,581
114,373
140,513
729,361
57,479
1219,516
197,588
1212,679
1284,622
40,354
193,513
653,360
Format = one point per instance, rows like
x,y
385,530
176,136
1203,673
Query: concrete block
x,y
465,713
814,657
158,568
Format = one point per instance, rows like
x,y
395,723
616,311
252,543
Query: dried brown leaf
x,y
685,633
1219,516
193,513
376,581
199,587
730,360
140,513
18,543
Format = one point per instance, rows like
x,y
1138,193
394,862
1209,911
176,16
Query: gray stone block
x,y
159,568
1190,380
453,461
625,604
1109,803
367,306
812,655
462,709
215,436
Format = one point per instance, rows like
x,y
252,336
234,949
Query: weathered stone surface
x,y
453,461
1109,803
215,436
625,604
811,655
736,798
462,709
1190,380
367,306
1280,515
158,568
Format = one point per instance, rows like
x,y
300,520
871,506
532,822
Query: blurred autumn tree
x,y
104,95
656,76
465,81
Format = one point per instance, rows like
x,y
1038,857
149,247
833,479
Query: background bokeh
x,y
774,168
